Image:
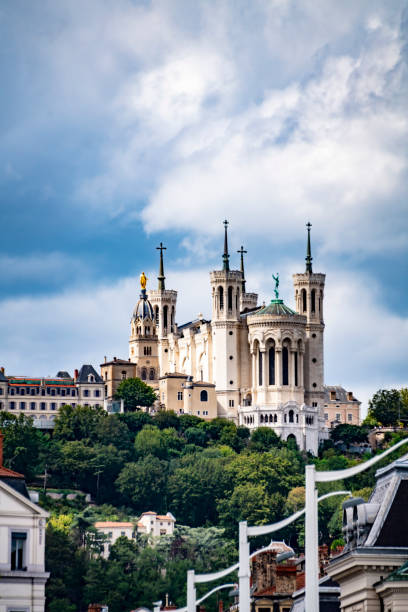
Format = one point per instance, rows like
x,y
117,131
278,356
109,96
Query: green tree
x,y
135,421
263,438
143,484
22,444
386,406
135,394
194,485
164,419
349,434
151,441
78,423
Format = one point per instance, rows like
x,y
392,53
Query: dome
x,y
276,307
144,309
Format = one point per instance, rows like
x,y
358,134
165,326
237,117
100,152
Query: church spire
x,y
225,257
161,276
309,251
242,267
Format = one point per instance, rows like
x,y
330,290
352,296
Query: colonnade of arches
x,y
309,300
168,318
277,365
228,299
147,374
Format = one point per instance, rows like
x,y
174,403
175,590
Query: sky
x,y
124,123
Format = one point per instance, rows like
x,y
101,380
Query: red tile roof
x,y
6,473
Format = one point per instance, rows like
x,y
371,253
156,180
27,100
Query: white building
x,y
156,524
22,545
41,398
266,362
114,530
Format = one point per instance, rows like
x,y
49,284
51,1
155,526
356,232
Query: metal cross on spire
x,y
225,257
309,250
242,251
161,276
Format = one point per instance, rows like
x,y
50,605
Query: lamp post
x,y
311,523
257,530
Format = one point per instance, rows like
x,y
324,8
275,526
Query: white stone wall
x,y
22,590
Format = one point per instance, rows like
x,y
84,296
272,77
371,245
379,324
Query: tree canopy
x,y
135,394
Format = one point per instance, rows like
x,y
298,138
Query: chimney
x,y
76,374
2,370
1,448
114,359
105,359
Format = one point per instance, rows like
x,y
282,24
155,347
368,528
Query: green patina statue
x,y
276,290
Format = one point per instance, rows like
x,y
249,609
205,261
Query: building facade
x,y
155,524
41,398
340,407
372,570
22,545
258,365
113,530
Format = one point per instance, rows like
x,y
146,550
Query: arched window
x,y
156,314
272,365
285,366
291,415
151,374
262,418
236,299
304,300
204,396
260,368
229,298
275,418
221,298
172,319
124,375
313,296
144,374
270,418
165,316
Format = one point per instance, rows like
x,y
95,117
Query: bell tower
x,y
309,298
226,289
143,342
164,308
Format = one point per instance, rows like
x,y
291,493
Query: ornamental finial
x,y
242,251
309,250
225,257
161,277
143,280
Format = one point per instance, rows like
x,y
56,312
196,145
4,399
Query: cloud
x,y
332,148
43,267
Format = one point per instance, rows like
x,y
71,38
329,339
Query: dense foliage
x,y
210,475
135,394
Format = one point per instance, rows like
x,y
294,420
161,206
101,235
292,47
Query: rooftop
x,y
276,307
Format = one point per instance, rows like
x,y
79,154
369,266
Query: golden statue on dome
x,y
143,280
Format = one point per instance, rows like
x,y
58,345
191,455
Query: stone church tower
x,y
309,297
226,287
143,342
164,303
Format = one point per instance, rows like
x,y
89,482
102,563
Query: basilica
x,y
257,365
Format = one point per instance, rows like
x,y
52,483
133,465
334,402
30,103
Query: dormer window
x,y
91,378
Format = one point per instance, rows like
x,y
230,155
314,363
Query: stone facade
x,y
41,398
340,407
260,365
372,570
22,545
